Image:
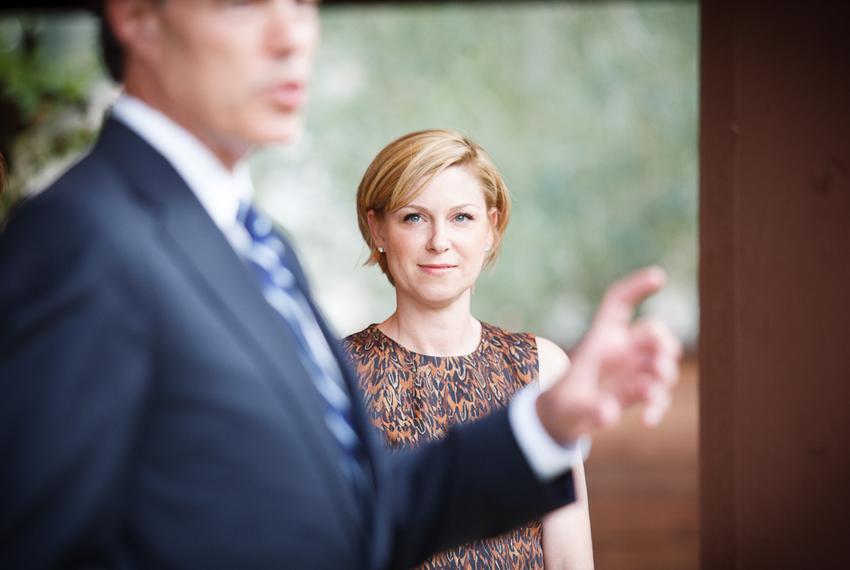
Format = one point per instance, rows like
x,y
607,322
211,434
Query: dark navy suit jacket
x,y
153,413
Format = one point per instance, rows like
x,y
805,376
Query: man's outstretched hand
x,y
619,363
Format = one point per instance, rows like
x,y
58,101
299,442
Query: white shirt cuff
x,y
547,458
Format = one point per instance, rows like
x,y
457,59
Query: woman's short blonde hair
x,y
405,166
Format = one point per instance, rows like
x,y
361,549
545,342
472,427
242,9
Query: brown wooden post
x,y
775,285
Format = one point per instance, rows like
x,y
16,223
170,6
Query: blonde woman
x,y
432,207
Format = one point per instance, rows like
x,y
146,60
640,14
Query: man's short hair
x,y
110,50
2,173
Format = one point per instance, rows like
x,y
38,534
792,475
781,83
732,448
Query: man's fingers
x,y
658,367
652,334
662,350
625,294
655,410
574,407
607,412
628,363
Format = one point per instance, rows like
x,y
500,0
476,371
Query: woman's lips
x,y
436,268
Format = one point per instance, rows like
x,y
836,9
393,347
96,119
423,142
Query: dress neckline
x,y
485,332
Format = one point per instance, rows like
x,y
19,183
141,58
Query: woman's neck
x,y
443,331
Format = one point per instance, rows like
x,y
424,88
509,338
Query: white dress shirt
x,y
220,190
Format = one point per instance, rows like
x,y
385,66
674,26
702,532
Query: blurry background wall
x,y
774,283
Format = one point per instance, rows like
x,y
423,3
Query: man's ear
x,y
135,25
376,228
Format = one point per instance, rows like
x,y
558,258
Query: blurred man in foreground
x,y
172,397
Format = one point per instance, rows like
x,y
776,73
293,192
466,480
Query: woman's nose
x,y
439,240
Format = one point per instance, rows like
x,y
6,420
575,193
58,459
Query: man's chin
x,y
281,131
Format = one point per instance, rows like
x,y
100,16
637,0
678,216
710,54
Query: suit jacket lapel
x,y
364,427
209,260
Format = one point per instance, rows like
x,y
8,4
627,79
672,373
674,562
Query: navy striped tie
x,y
265,252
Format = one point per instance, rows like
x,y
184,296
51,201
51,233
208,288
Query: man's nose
x,y
290,25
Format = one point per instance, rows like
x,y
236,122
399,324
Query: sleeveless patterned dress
x,y
413,398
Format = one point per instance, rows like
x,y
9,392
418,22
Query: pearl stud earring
x,y
380,250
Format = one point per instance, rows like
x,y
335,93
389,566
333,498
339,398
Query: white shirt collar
x,y
219,189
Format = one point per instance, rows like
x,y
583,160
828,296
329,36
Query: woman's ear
x,y
493,214
376,228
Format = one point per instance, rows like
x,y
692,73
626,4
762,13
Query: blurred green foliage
x,y
589,109
48,67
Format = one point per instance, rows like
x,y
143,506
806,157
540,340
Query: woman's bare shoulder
x,y
553,362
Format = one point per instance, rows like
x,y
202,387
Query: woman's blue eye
x,y
462,217
412,218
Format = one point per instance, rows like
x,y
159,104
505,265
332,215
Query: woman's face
x,y
436,246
